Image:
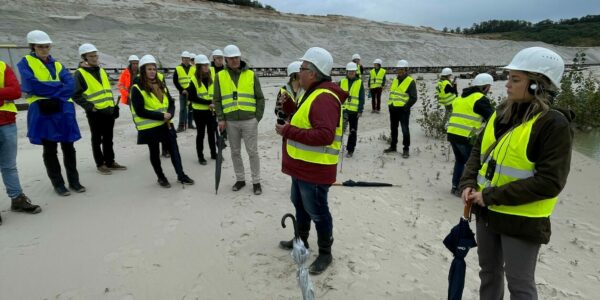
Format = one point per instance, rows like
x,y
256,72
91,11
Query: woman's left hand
x,y
477,198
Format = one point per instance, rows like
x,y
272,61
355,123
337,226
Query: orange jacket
x,y
124,85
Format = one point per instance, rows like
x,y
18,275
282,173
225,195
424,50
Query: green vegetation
x,y
250,3
583,32
432,121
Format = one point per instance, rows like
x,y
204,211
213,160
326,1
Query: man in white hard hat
x,y
126,78
376,84
239,105
446,91
217,63
181,80
93,93
360,69
353,106
403,95
312,143
469,112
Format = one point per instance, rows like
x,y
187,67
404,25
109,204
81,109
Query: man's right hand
x,y
222,125
466,193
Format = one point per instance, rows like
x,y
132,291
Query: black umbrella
x,y
460,239
220,146
353,183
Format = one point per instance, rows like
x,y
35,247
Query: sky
x,y
439,14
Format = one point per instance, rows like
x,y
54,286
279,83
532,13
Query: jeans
x,y
53,165
8,160
402,117
352,119
310,201
461,155
246,130
376,99
101,127
205,124
185,114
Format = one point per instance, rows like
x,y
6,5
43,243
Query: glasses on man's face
x,y
43,46
304,69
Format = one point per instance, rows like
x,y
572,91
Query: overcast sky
x,y
439,13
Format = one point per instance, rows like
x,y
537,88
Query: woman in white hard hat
x,y
152,108
289,94
200,94
126,78
515,172
51,114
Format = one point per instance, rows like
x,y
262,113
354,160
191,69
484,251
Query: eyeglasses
x,y
43,46
304,69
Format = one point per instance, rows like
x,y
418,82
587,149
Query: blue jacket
x,y
57,127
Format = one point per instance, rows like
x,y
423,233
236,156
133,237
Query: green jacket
x,y
239,115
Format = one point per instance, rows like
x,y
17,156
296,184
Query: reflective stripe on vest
x,y
8,105
512,164
151,103
42,74
98,93
351,103
463,120
322,155
203,93
376,79
240,97
184,78
398,95
440,91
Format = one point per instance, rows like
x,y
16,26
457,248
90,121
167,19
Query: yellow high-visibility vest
x,y
376,79
203,92
284,90
512,164
8,105
322,155
184,78
240,97
464,121
351,103
42,74
398,92
151,103
98,93
440,91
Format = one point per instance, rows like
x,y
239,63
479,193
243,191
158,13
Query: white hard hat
x,y
446,72
201,59
147,59
38,37
133,57
294,67
232,51
319,57
402,64
192,55
377,61
185,54
539,60
217,52
355,56
482,79
351,66
87,48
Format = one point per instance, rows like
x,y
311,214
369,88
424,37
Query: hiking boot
x,y
23,204
257,189
202,161
77,187
163,182
321,263
349,154
185,180
238,186
104,170
62,190
390,150
180,128
405,153
116,166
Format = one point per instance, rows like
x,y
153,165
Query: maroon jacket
x,y
10,91
324,117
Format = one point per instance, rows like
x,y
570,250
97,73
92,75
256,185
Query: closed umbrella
x,y
352,183
300,255
220,146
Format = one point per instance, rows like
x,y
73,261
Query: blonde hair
x,y
542,99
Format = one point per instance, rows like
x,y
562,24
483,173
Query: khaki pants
x,y
246,130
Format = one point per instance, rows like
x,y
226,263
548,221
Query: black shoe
x,y
185,179
213,156
77,187
349,154
238,186
62,190
257,189
389,150
454,191
163,182
180,128
405,153
202,161
166,154
191,126
22,203
289,245
320,264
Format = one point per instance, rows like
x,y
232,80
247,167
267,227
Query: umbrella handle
x,y
288,215
467,211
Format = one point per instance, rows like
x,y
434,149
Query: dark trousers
x,y
461,155
402,117
310,201
352,119
205,124
52,164
171,144
376,99
101,127
185,112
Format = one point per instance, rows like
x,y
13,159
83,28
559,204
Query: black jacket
x,y
482,107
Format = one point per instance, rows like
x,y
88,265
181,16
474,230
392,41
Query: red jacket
x,y
324,117
10,91
124,85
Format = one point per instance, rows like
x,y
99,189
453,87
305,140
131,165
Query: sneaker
x,y
349,154
77,187
104,170
23,204
389,150
116,166
405,153
257,189
238,186
163,182
202,161
185,180
320,264
62,190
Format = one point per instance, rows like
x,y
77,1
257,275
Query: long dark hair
x,y
200,76
145,82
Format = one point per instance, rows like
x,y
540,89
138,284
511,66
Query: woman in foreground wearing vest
x,y
200,93
51,113
152,108
515,172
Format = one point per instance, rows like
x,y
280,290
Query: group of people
x,y
511,162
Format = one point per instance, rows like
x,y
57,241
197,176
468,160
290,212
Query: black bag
x,y
49,106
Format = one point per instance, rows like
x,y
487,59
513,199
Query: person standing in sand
x,y
516,170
